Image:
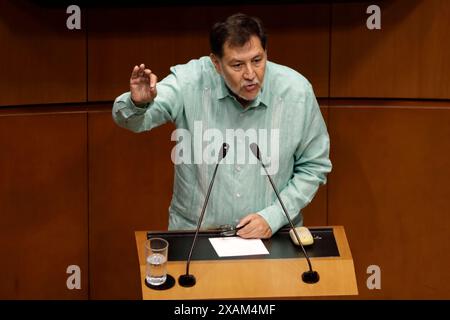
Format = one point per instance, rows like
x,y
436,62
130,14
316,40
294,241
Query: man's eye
x,y
238,65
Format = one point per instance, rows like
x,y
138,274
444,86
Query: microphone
x,y
188,280
307,276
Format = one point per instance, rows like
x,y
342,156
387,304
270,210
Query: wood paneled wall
x,y
74,186
47,63
389,188
41,61
43,205
407,58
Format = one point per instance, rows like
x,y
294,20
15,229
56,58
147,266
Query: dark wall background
x,y
74,187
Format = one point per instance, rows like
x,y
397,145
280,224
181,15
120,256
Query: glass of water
x,y
156,250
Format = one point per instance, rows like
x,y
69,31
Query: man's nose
x,y
249,73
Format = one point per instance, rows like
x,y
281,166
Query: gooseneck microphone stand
x,y
310,276
188,280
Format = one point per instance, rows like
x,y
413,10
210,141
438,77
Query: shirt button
x,y
238,168
238,195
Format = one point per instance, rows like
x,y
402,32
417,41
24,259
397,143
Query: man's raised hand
x,y
142,85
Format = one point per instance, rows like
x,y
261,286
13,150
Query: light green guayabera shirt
x,y
290,132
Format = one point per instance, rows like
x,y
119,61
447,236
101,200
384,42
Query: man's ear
x,y
216,63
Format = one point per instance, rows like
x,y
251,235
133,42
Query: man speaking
x,y
217,98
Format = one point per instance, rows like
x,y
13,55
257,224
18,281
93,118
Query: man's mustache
x,y
249,83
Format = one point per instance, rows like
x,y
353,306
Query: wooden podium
x,y
257,278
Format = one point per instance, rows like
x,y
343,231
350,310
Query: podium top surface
x,y
279,245
255,277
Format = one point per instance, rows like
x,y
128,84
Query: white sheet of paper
x,y
237,246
